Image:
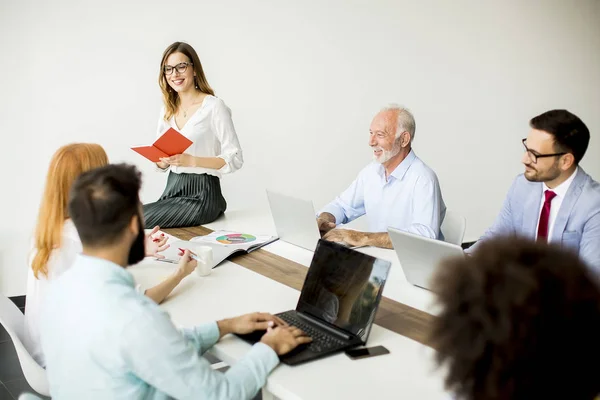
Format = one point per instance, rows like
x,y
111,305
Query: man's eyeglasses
x,y
534,155
181,67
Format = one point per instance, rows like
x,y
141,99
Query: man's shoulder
x,y
68,280
423,170
372,168
109,294
591,191
591,185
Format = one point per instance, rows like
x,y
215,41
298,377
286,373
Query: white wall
x,y
303,80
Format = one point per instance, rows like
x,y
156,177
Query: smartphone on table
x,y
366,352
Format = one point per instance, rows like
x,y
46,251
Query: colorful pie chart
x,y
236,238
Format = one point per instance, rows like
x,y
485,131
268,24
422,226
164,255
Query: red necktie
x,y
542,233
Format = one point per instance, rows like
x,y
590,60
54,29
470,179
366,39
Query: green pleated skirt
x,y
188,200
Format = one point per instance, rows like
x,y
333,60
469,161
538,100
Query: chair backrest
x,y
13,321
453,227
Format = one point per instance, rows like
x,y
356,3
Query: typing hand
x,y
283,339
179,160
253,322
156,243
346,237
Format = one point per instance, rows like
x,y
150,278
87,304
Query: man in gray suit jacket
x,y
554,200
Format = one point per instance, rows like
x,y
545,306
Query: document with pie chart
x,y
227,243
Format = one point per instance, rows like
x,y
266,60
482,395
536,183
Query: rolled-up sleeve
x,y
231,151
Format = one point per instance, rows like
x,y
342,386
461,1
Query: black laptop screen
x,y
343,287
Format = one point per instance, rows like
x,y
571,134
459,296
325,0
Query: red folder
x,y
170,143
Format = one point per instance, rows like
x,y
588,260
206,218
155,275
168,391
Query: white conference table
x,y
408,372
259,221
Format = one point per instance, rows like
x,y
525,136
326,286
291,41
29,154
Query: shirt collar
x,y
561,190
104,270
401,169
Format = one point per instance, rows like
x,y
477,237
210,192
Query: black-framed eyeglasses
x,y
533,155
181,67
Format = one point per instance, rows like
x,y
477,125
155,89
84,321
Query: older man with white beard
x,y
396,190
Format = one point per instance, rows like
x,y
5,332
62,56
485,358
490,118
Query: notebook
x,y
168,144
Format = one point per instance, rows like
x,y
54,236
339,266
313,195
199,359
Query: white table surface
x,y
408,372
260,222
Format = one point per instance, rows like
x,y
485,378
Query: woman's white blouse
x,y
212,132
60,261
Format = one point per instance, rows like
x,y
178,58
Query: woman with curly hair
x,y
519,320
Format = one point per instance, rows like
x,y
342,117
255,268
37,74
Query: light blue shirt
x,y
410,199
104,340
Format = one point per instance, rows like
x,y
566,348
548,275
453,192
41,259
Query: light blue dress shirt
x,y
104,340
410,199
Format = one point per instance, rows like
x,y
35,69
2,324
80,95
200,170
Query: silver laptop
x,y
419,256
295,220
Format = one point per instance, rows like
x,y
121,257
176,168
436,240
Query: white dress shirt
x,y
212,132
409,200
555,203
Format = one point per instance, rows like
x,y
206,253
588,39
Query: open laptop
x,y
338,302
419,256
295,220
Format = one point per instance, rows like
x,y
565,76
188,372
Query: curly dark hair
x,y
519,320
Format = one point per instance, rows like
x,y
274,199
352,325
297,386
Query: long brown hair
x,y
66,165
170,97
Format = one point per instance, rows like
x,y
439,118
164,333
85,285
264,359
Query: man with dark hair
x,y
102,339
518,320
554,200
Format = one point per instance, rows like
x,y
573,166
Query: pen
x,y
191,254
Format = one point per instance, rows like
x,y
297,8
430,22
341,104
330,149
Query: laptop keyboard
x,y
322,341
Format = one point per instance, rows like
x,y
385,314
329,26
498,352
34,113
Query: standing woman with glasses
x,y
193,192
